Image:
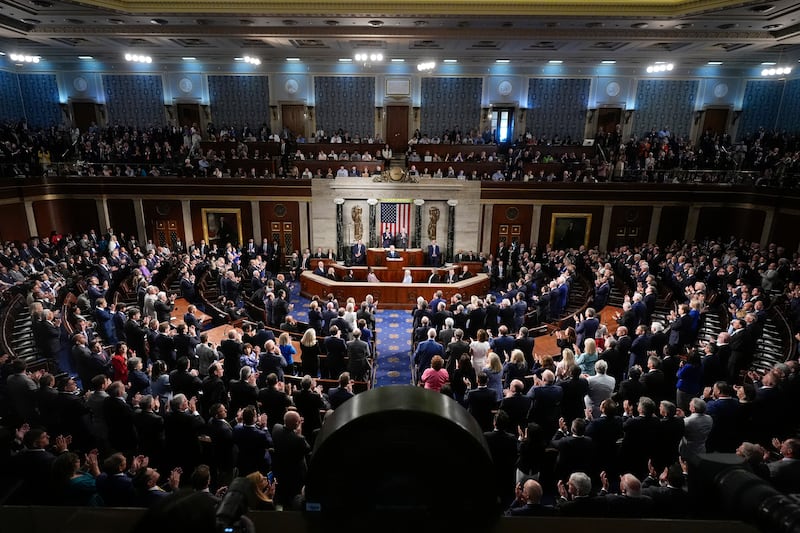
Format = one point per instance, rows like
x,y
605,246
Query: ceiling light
x,y
138,58
252,60
345,60
715,62
779,71
426,66
398,60
451,61
502,60
294,59
555,62
769,63
21,58
85,58
660,66
189,58
238,59
608,62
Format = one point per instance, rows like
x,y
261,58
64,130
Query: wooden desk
x,y
412,257
181,308
391,295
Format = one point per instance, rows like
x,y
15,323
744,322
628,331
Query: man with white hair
x,y
601,387
575,497
546,402
697,428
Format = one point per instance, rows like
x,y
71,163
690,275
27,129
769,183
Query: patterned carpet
x,y
392,338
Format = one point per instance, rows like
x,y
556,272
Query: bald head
x,y
532,491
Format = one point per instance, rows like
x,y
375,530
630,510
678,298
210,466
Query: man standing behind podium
x,y
401,241
434,254
392,253
359,253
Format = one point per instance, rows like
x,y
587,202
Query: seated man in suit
x,y
392,253
434,254
433,277
320,270
465,273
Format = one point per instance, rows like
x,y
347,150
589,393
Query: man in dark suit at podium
x,y
392,253
359,253
401,241
434,254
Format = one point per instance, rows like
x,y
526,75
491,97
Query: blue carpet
x,y
392,339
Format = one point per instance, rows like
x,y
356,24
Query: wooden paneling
x,y
122,216
722,222
397,127
672,224
547,216
629,225
511,223
161,211
67,215
13,223
283,213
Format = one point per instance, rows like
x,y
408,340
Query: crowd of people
x,y
164,400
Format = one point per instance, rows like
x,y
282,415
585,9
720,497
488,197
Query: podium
x,y
411,257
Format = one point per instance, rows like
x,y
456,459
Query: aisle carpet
x,y
392,340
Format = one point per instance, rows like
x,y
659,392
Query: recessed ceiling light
x,y
609,62
189,58
159,22
345,60
332,22
451,61
769,63
683,25
715,62
375,23
85,58
293,59
772,26
555,61
398,60
246,22
115,21
639,25
290,22
238,59
502,60
31,21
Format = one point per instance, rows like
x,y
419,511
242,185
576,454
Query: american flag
x,y
395,216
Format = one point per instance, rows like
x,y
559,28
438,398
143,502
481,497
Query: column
x,y
32,230
451,230
141,227
655,222
416,240
486,228
188,232
536,224
691,223
103,217
305,230
373,215
256,211
605,228
769,220
339,226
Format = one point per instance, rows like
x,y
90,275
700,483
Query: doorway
x,y
608,118
189,115
397,127
503,124
294,119
84,114
715,121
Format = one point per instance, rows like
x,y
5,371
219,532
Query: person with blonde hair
x,y
260,492
564,367
434,377
288,351
588,358
494,370
309,353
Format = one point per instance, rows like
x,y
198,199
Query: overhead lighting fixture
x,y
555,62
252,60
22,58
780,71
371,57
137,58
608,62
660,66
715,63
189,59
450,61
502,61
426,66
768,63
398,60
345,60
85,58
293,59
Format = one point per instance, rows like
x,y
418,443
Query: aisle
x,y
393,338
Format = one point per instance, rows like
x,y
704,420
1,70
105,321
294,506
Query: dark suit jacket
x,y
182,430
150,429
289,462
480,402
517,407
122,435
546,406
338,395
253,444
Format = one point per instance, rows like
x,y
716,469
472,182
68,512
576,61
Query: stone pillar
x,y
373,215
691,223
655,222
186,210
416,240
256,216
769,220
536,224
451,230
339,226
103,217
141,226
605,228
32,229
